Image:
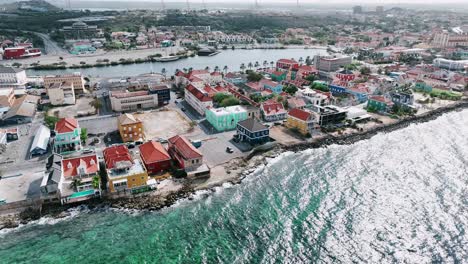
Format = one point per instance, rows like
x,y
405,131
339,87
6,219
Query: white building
x,y
13,78
61,93
313,97
75,78
451,64
130,101
197,99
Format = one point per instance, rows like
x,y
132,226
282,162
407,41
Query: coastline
x,y
232,172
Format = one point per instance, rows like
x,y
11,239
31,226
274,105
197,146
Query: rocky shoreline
x,y
239,168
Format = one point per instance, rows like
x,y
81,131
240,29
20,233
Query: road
x,y
51,47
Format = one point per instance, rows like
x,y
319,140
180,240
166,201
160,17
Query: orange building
x,y
130,128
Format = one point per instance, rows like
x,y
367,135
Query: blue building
x,y
252,132
275,87
163,92
336,89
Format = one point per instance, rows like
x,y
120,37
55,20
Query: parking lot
x,y
21,174
164,124
81,108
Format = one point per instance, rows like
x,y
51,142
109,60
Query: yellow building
x,y
123,172
130,128
301,120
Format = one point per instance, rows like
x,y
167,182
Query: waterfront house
x,y
273,111
337,89
252,132
301,120
130,128
359,91
124,172
287,64
225,118
76,79
155,157
199,100
67,136
402,98
79,179
379,103
235,78
329,114
184,153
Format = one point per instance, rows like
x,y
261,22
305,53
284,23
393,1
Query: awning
x,y
119,181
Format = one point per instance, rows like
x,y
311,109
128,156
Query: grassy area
x,y
445,95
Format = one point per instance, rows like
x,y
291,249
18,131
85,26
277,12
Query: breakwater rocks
x,y
355,137
151,202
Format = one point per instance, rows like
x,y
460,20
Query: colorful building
x,y
273,111
301,120
67,136
184,153
130,128
155,157
79,179
287,64
123,172
225,118
423,87
278,76
379,103
252,132
275,87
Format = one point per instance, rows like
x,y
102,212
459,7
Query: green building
x,y
278,76
67,136
226,118
379,103
422,87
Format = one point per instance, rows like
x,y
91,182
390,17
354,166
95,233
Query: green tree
x,y
254,77
365,70
230,101
219,97
96,103
84,135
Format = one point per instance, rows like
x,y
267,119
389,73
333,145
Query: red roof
x,y
268,82
70,167
198,94
152,152
380,98
180,73
215,74
66,125
115,154
300,114
185,148
254,85
272,107
195,79
287,61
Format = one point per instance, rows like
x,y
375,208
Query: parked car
x,y
229,150
183,109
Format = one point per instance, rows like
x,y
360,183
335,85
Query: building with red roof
x,y
123,171
301,120
155,157
273,111
198,99
287,64
184,153
67,136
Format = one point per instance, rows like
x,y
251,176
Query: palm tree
x,y
225,69
301,60
75,183
216,69
242,66
207,68
265,63
257,65
250,65
272,63
163,72
185,70
190,69
308,61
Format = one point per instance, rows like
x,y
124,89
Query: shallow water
x,y
398,197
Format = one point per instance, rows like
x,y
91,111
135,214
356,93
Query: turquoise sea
x,y
400,197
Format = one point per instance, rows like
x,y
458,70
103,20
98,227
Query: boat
x,y
208,51
167,58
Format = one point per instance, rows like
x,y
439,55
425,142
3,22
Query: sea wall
x,y
355,137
